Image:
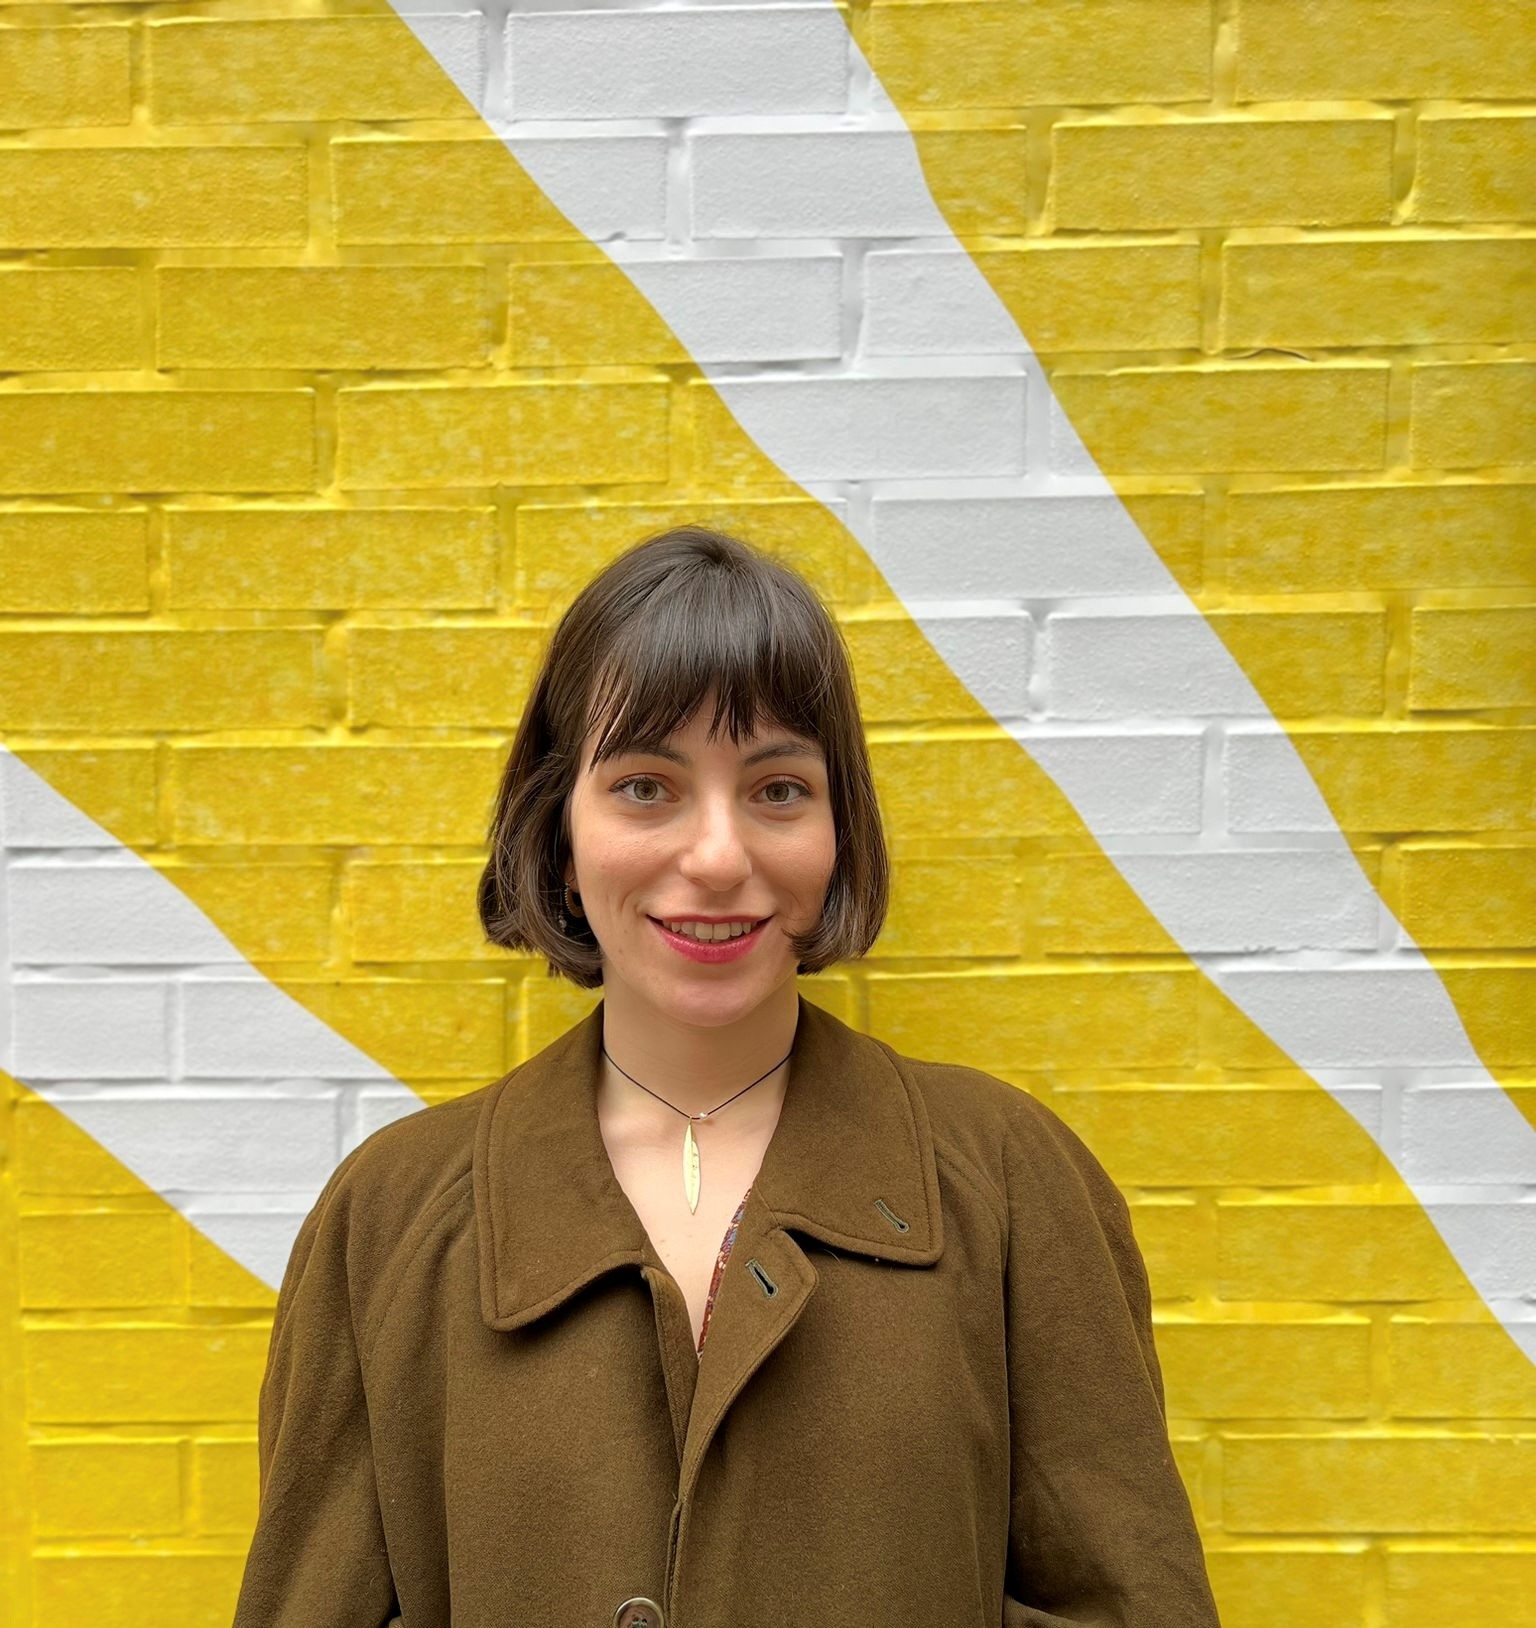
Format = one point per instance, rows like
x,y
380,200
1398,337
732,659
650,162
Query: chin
x,y
705,1003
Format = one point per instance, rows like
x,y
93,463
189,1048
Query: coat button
x,y
639,1613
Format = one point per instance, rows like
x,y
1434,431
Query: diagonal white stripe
x,y
126,1008
914,447
223,1094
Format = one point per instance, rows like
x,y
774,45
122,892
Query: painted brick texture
x,y
317,404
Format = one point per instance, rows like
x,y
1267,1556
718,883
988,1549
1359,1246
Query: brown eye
x,y
638,780
792,785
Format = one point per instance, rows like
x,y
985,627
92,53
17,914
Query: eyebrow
x,y
779,749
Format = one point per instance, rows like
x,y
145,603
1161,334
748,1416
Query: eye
x,y
638,780
792,785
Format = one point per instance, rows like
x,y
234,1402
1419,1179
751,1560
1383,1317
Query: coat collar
x,y
852,1141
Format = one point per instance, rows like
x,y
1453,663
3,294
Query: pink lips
x,y
727,949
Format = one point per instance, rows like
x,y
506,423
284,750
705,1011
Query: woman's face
x,y
705,829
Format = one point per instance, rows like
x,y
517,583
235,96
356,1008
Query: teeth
x,y
710,932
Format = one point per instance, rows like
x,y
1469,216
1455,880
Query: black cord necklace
x,y
691,1171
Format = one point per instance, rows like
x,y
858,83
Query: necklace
x,y
691,1171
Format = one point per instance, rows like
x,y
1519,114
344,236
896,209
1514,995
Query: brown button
x,y
639,1613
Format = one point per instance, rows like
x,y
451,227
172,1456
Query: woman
x,y
512,1379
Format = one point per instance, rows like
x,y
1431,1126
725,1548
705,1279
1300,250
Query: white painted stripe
x,y
991,432
203,1135
135,1017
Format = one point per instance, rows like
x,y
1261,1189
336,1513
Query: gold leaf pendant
x,y
691,1168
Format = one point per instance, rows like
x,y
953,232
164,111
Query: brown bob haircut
x,y
678,616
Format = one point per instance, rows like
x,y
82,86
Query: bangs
x,y
682,616
767,665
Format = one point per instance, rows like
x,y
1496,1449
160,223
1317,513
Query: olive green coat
x,y
929,1397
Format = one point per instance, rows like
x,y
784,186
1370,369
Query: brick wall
x,y
1194,638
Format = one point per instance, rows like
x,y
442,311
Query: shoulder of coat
x,y
976,1116
406,1175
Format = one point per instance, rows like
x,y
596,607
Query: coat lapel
x,y
850,1164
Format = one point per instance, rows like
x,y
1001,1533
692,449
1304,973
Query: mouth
x,y
711,951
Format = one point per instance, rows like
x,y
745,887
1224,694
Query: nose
x,y
716,853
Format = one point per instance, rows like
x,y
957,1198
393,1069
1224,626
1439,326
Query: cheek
x,y
616,855
808,861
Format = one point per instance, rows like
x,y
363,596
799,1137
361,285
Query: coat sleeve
x,y
318,1557
1101,1533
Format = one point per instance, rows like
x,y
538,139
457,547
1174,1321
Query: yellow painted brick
x,y
466,191
550,1007
214,1279
1374,1484
416,911
1051,1020
1457,1370
1189,1461
1070,296
1173,523
1468,898
1481,168
101,1259
96,197
1222,172
301,68
224,1478
116,785
1310,664
955,905
322,316
59,76
462,677
76,318
232,678
1254,1136
1256,416
364,559
1262,1588
1470,415
1088,908
138,1590
566,313
1467,1582
1230,1040
84,563
1267,1370
449,1028
105,1488
1473,657
273,912
559,546
156,441
513,435
352,793
1380,291
978,179
1497,1004
899,678
916,781
120,1374
1010,55
1178,1243
54,1157
1379,538
1334,1252
1408,779
1340,50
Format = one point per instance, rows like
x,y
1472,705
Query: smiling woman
x,y
929,1390
687,618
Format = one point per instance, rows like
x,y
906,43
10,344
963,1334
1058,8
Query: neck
x,y
694,1068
